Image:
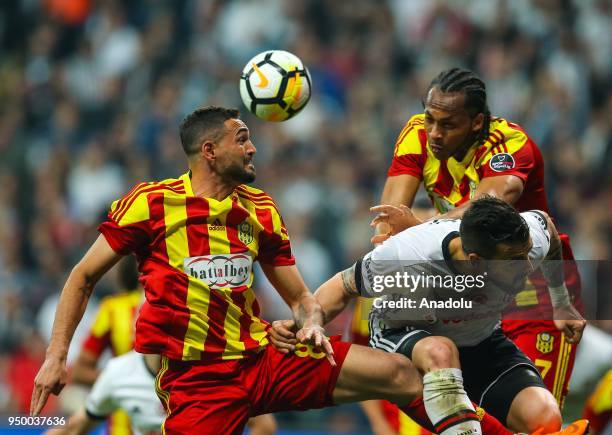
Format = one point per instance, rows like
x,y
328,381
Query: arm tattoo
x,y
348,281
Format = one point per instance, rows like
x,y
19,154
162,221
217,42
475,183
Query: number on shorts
x,y
305,350
544,366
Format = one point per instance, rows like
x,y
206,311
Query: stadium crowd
x,y
92,92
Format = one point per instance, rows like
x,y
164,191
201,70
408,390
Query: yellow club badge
x,y
545,342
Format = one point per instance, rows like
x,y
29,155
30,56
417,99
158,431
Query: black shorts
x,y
494,371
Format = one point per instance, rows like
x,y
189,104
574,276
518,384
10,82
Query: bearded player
x,y
196,238
462,352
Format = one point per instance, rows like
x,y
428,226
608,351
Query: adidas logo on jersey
x,y
216,226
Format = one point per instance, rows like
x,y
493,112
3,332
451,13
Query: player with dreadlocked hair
x,y
461,152
475,91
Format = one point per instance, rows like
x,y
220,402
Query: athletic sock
x,y
447,405
489,424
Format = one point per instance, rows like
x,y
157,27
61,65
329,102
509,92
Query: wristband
x,y
559,296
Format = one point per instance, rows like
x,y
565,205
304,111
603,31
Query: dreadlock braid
x,y
467,82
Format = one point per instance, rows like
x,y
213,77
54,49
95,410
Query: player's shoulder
x,y
506,134
254,195
422,241
538,223
170,184
416,120
412,138
536,219
504,139
133,206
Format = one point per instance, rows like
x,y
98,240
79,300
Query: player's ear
x,y
208,150
478,122
474,258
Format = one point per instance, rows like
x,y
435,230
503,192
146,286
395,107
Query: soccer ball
x,y
275,85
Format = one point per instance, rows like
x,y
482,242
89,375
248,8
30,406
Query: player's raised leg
x,y
373,374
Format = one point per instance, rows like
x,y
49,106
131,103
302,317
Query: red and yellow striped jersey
x,y
507,151
195,258
113,327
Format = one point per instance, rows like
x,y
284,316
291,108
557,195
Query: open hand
x,y
315,336
395,218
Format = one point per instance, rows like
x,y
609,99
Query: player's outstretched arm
x,y
508,188
565,316
79,423
334,295
399,190
307,312
396,218
51,377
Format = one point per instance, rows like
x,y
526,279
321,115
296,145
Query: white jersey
x,y
422,253
127,383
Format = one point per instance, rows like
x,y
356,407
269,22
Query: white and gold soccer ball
x,y
275,85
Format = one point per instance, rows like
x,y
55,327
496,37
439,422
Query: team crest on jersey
x,y
545,342
501,162
245,233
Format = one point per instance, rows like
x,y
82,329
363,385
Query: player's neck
x,y
461,152
455,248
207,184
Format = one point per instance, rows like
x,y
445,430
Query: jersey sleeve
x,y
540,235
372,268
274,244
410,150
100,402
127,228
510,153
99,333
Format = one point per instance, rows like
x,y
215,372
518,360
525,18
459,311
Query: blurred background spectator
x,y
91,93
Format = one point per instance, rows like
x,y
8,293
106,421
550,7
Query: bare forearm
x,y
335,294
455,213
331,298
507,188
308,312
70,309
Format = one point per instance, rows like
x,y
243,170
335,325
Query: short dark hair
x,y
204,123
488,222
475,90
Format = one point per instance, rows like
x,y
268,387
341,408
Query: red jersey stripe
x,y
245,321
215,339
123,203
120,215
197,226
445,182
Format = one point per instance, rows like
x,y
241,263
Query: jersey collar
x,y
186,177
446,251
